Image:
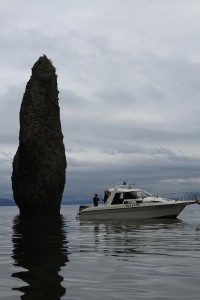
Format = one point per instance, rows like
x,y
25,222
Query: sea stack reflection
x,y
39,165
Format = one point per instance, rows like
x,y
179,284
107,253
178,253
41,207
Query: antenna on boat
x,y
125,183
122,182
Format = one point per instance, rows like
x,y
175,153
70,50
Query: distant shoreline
x,y
8,202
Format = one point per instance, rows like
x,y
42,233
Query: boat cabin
x,y
122,195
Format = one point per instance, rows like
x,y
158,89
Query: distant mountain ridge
x,y
8,202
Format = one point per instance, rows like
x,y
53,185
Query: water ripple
x,y
72,259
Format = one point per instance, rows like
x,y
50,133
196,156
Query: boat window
x,y
118,199
131,195
142,194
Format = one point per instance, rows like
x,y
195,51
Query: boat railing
x,y
126,186
186,195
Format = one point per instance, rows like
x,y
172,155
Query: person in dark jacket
x,y
96,200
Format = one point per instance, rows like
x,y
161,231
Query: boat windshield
x,y
136,195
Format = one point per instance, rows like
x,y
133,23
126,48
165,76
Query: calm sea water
x,y
71,259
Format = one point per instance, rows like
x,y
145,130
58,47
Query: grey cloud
x,y
69,100
149,172
115,99
128,80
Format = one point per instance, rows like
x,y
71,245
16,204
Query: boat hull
x,y
171,210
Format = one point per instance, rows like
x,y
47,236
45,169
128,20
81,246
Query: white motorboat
x,y
127,202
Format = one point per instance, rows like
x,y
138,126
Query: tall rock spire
x,y
39,165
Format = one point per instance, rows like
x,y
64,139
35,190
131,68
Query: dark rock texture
x,y
39,165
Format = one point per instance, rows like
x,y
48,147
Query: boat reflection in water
x,y
40,248
128,238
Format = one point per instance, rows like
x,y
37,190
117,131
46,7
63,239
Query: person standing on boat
x,y
106,194
96,200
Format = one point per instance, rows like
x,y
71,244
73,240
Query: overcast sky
x,y
129,82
